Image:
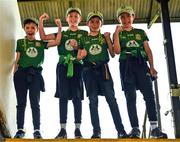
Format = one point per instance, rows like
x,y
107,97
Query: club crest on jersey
x,y
79,35
138,36
95,49
37,44
68,46
132,43
31,52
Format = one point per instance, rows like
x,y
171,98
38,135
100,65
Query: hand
x,y
118,29
44,16
153,72
107,35
83,53
58,22
74,44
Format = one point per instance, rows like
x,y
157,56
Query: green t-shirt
x,y
31,52
65,48
96,47
133,41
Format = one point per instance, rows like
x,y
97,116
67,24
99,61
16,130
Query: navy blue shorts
x,y
69,87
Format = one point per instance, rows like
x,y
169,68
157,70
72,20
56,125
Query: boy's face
x,y
73,18
126,19
30,29
94,24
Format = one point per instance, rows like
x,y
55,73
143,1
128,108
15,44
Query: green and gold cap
x,y
71,9
95,14
125,9
29,20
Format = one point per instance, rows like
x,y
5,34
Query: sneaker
x,y
19,134
77,133
122,134
96,134
135,133
62,134
37,135
157,133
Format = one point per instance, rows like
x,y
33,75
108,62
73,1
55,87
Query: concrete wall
x,y
10,31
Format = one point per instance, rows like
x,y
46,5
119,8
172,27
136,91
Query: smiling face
x,y
73,19
94,24
30,29
126,20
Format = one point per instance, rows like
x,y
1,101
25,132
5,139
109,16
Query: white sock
x,y
154,124
21,130
63,126
36,130
136,127
78,125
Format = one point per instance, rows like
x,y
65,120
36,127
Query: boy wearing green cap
x,y
132,45
96,73
27,74
69,85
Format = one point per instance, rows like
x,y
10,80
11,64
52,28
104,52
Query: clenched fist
x,y
44,16
58,22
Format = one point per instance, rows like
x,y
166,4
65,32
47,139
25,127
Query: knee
x,y
35,106
21,106
149,98
130,98
76,100
111,100
93,101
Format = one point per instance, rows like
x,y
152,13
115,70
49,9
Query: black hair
x,y
29,20
97,17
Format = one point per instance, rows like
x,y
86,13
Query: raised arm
x,y
43,36
117,48
109,42
57,40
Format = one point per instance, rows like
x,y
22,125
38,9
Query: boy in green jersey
x,y
96,73
27,74
132,45
69,85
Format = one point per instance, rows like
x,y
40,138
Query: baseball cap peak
x,y
94,14
73,9
125,9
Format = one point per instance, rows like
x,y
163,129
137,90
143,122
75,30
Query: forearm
x,y
149,54
15,64
110,47
41,30
150,59
117,48
58,36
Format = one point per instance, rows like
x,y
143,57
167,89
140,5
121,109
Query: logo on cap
x,y
125,9
94,14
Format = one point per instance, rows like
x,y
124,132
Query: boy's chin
x,y
126,26
95,30
31,34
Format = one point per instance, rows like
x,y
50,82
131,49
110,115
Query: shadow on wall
x,y
4,132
